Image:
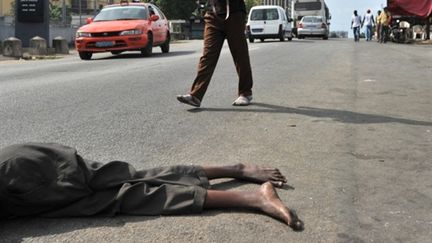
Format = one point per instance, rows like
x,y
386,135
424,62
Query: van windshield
x,y
265,14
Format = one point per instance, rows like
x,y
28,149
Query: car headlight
x,y
131,32
83,34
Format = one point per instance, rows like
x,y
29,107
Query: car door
x,y
154,24
159,26
271,23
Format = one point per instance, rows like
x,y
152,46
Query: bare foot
x,y
260,175
274,207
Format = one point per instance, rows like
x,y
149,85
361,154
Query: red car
x,y
124,27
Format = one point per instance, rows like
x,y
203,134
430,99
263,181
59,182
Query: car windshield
x,y
312,19
121,13
265,14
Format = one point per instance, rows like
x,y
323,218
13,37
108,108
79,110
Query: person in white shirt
x,y
369,22
355,25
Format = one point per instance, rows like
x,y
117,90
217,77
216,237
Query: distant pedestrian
x,y
369,22
355,25
385,25
378,25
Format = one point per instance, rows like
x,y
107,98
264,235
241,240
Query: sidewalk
x,y
28,57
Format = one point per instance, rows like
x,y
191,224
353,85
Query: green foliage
x,y
13,8
251,3
177,9
55,13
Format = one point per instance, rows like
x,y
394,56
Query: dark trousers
x,y
378,31
52,180
384,33
215,31
356,32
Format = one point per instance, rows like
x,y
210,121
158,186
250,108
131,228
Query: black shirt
x,y
235,6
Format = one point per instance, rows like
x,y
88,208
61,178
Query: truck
x,y
301,8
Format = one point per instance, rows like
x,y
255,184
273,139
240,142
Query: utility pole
x,y
80,14
64,12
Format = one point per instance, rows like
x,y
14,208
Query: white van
x,y
268,22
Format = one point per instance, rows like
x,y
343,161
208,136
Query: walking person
x,y
378,26
225,19
369,22
355,26
385,19
53,180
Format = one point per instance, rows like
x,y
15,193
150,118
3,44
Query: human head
x,y
368,11
379,12
355,12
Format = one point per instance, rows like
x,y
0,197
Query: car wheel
x,y
262,39
148,50
166,45
289,38
325,38
251,39
85,55
116,52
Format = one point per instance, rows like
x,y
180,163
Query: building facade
x,y
285,4
74,6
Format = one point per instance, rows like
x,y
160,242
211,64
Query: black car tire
x,y
281,33
251,39
85,55
165,47
116,52
148,49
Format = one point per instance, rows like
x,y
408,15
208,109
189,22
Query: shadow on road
x,y
131,55
336,115
36,227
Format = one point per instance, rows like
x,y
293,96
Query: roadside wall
x,y
68,33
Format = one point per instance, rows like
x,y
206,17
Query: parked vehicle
x,y
268,22
124,27
312,26
401,32
301,8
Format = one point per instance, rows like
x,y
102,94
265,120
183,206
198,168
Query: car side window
x,y
151,11
159,12
284,17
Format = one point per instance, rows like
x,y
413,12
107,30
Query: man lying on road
x,y
52,180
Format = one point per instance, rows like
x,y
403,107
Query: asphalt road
x,y
349,124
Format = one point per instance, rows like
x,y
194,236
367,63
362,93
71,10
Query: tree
x,y
55,12
177,9
251,3
13,9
